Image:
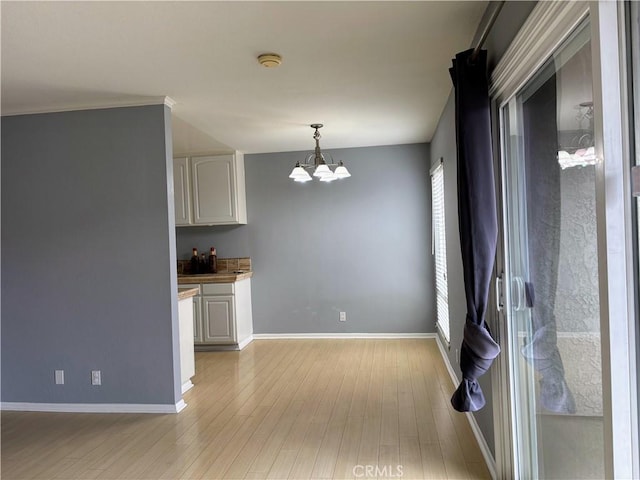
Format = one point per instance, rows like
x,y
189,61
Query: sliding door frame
x,y
549,24
615,252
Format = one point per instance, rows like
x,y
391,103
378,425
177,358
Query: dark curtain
x,y
543,224
477,219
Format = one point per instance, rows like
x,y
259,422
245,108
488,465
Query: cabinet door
x,y
197,319
214,195
182,191
218,319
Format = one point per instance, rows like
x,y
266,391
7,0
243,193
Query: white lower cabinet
x,y
222,314
197,312
218,319
197,319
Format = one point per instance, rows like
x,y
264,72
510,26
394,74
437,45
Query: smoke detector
x,y
270,60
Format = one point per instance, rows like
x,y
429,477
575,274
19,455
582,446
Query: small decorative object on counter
x,y
213,261
194,261
203,264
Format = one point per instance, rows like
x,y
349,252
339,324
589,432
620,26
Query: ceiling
x,y
375,73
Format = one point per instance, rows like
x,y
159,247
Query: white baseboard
x,y
245,342
482,443
186,386
93,407
447,363
232,347
280,336
181,405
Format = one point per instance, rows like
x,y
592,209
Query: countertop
x,y
213,278
186,292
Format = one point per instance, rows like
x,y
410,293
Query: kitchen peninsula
x,y
185,319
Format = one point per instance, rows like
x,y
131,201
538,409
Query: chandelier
x,y
317,161
580,152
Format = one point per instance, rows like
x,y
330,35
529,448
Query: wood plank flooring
x,y
280,409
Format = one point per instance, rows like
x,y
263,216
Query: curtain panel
x,y
477,221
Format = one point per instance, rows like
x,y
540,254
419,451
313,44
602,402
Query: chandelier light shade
x,y
322,171
299,174
341,171
580,152
580,158
317,162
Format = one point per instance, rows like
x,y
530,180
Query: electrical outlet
x,y
458,356
59,377
343,316
96,377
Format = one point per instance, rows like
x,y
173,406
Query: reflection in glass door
x,y
552,268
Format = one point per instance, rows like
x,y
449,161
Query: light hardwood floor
x,y
279,409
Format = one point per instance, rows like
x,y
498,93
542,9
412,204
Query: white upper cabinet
x,y
214,190
182,190
213,187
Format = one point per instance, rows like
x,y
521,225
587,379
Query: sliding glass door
x,y
552,267
567,386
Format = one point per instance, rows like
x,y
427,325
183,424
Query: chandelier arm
x,y
308,162
333,162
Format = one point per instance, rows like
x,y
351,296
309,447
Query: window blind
x,y
439,250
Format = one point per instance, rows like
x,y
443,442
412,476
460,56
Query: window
x,y
439,249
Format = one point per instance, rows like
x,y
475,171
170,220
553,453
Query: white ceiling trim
x,y
141,102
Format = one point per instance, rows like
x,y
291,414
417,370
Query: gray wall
x,y
360,245
443,145
88,262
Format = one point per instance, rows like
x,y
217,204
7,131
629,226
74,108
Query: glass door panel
x,y
552,293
